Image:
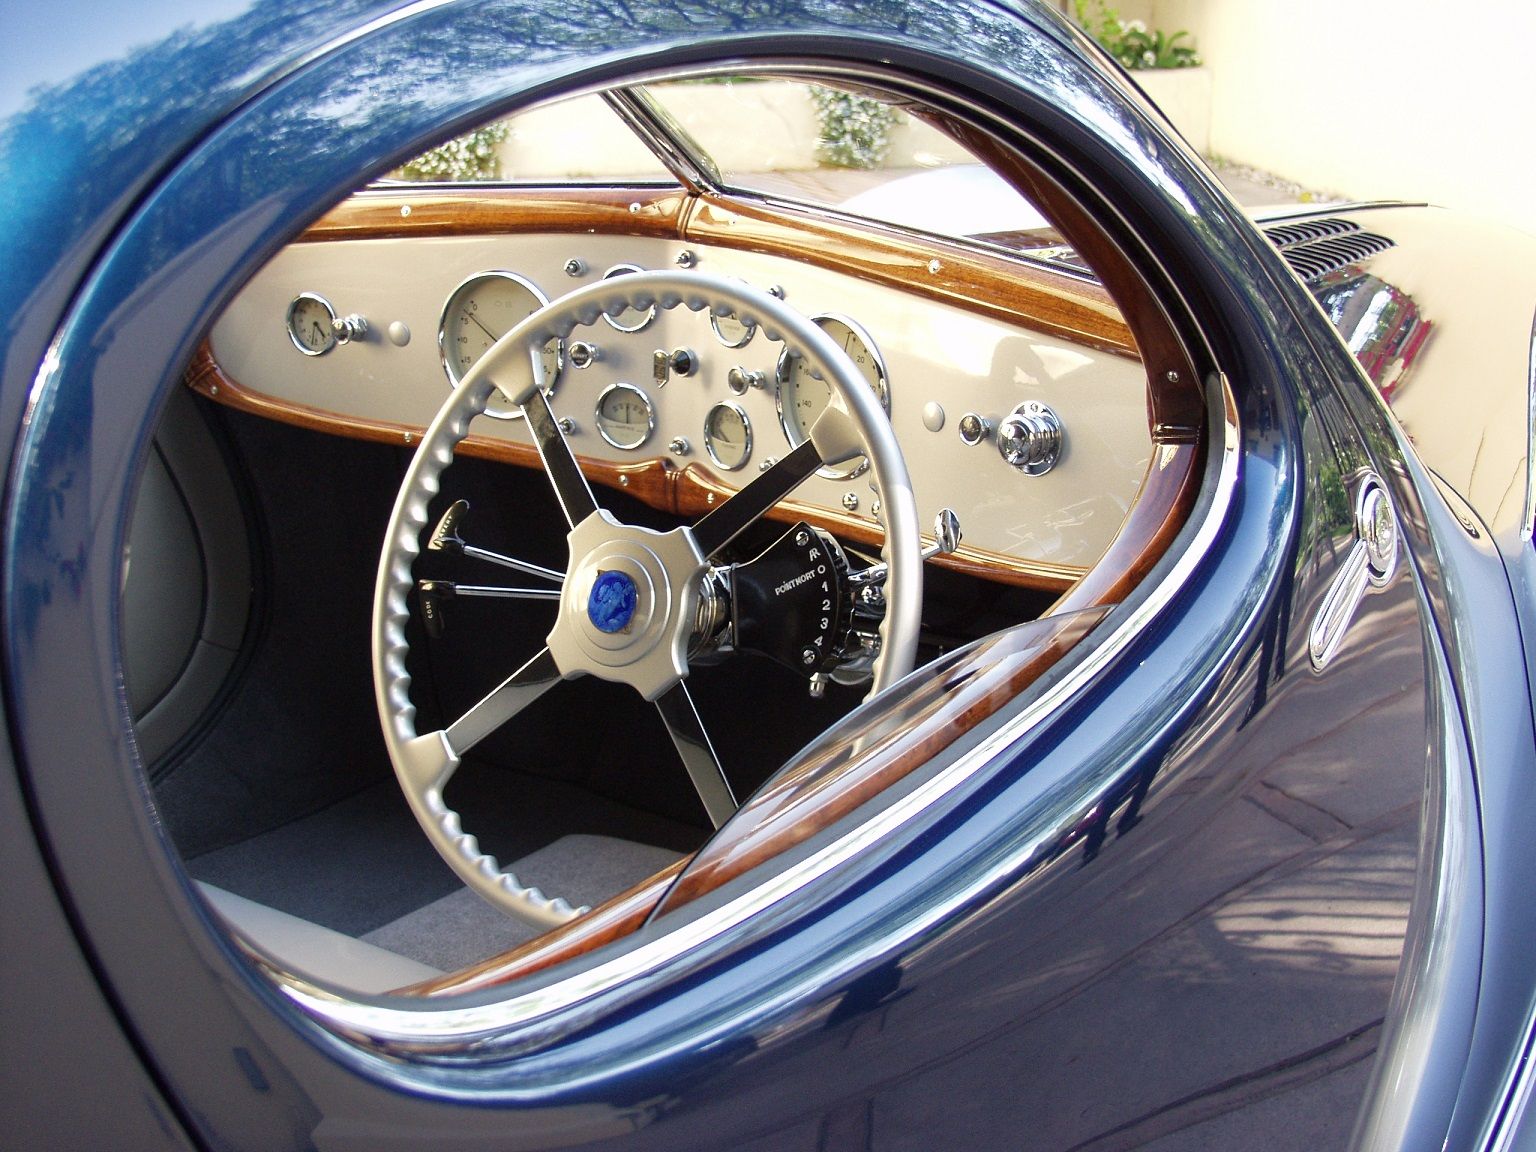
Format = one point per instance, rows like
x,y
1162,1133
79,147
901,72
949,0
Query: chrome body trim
x,y
426,1029
1504,1129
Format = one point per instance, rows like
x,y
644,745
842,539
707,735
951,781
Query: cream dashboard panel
x,y
940,363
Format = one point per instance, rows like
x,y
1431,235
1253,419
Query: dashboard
x,y
367,337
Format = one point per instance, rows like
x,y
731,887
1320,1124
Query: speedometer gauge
x,y
803,396
481,311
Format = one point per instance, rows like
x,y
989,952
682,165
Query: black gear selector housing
x,y
791,603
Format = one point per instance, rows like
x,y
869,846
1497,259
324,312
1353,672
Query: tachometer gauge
x,y
630,319
802,396
624,416
728,436
310,324
480,312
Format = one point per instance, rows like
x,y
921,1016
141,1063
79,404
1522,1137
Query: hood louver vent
x,y
1314,248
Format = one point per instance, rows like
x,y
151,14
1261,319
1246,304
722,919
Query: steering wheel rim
x,y
424,762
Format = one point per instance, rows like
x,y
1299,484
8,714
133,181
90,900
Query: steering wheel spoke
x,y
697,753
725,523
576,499
502,703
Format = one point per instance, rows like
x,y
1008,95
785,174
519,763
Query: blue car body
x,y
1033,958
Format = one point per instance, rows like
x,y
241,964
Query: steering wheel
x,y
630,599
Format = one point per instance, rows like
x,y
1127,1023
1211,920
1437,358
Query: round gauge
x,y
631,319
732,331
310,324
728,436
802,396
480,312
624,416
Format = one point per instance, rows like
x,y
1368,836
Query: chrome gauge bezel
x,y
880,385
646,317
709,438
330,327
454,374
602,430
741,339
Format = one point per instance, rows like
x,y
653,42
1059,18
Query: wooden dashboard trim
x,y
390,213
688,491
1002,288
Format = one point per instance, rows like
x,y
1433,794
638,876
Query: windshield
x,y
853,152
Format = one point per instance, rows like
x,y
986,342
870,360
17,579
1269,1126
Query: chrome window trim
x,y
661,132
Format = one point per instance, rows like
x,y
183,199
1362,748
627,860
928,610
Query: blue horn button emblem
x,y
611,606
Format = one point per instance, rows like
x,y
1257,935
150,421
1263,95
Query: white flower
x,y
1148,58
1133,26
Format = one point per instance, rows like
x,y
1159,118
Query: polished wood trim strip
x,y
856,762
619,916
1014,291
1162,505
390,213
687,492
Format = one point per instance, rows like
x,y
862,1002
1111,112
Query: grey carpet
x,y
350,867
461,928
363,862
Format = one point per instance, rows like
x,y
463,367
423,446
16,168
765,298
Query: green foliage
x,y
855,130
1131,42
472,156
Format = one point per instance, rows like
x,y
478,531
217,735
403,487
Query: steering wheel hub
x,y
629,605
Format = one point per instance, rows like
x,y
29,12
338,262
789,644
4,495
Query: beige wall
x,y
1420,99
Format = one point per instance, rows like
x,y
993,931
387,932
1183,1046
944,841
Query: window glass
x,y
794,140
575,141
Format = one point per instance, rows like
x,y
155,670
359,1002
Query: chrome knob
x,y
1030,438
582,354
739,379
974,428
349,328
